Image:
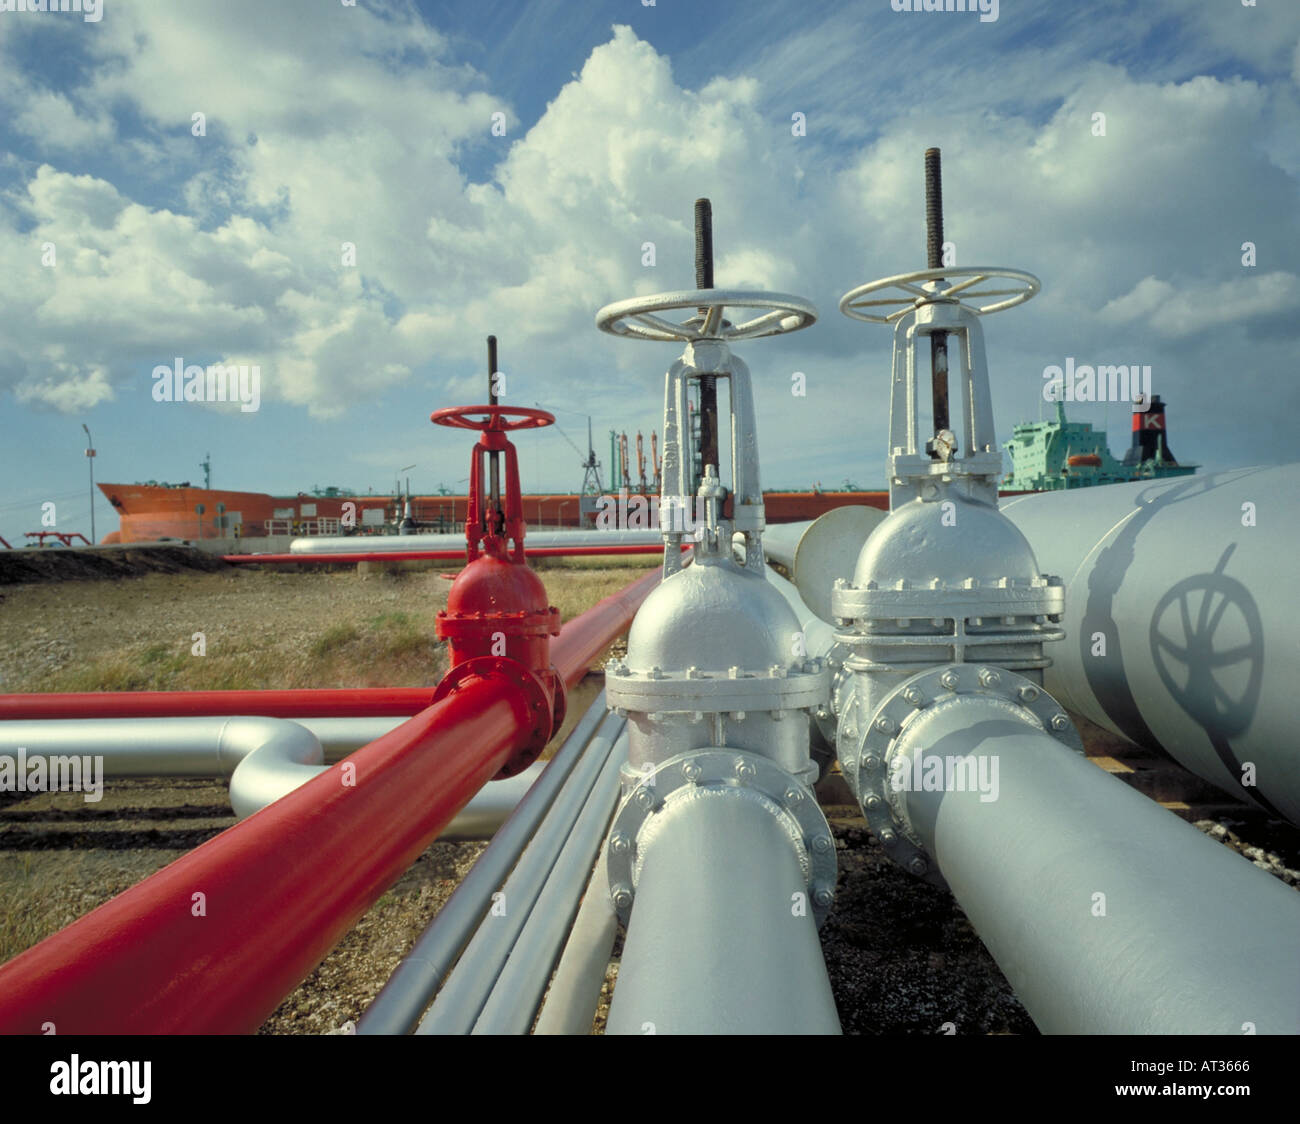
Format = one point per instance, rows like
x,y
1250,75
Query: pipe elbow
x,y
266,758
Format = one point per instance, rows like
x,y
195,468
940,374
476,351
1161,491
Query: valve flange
x,y
722,771
872,756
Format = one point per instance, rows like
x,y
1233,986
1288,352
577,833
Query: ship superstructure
x,y
1048,456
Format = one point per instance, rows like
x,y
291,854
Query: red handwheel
x,y
491,418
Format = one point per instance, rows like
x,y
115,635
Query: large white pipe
x,y
535,539
1180,612
718,941
815,553
1108,914
819,636
265,758
781,541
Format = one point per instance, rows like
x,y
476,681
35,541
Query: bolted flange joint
x,y
721,774
546,706
876,753
691,690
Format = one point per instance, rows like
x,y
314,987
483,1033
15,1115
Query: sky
x,y
498,167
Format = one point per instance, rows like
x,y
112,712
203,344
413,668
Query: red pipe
x,y
615,613
437,555
348,702
585,637
282,887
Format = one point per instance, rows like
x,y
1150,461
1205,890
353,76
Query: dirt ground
x,y
901,955
57,564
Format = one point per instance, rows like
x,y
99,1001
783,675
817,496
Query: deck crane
x,y
592,488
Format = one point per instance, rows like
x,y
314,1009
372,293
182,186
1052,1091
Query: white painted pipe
x,y
571,1003
714,944
1108,914
265,758
1180,611
815,553
535,539
781,540
819,637
340,736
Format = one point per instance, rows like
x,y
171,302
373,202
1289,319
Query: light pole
x,y
90,460
401,511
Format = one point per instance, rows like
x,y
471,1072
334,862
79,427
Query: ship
x,y
158,511
1044,456
154,510
1049,456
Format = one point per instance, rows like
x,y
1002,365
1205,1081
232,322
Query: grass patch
x,y
391,621
334,640
358,642
82,881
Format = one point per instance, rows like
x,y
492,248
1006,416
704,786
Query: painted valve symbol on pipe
x,y
1216,684
491,418
635,319
935,288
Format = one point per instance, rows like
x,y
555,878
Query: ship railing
x,y
303,527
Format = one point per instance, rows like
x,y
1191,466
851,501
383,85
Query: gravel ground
x,y
901,954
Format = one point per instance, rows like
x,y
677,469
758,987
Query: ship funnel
x,y
1150,435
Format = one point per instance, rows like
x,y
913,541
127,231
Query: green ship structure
x,y
1052,455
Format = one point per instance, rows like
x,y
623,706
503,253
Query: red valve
x,y
498,619
490,526
462,417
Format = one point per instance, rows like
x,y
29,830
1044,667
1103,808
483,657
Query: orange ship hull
x,y
149,512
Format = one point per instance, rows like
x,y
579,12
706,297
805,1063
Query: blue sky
x,y
371,124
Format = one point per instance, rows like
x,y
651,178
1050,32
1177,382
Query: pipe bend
x,y
266,758
492,805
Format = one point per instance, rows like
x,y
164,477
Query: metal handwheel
x,y
465,417
966,292
636,319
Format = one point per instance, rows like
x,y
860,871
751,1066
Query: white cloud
x,y
51,119
1178,313
67,389
318,135
1146,296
